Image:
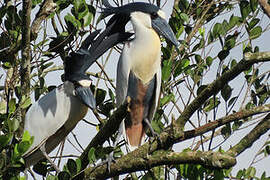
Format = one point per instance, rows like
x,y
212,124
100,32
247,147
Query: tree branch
x,y
218,84
46,9
25,69
222,121
109,128
265,6
251,137
127,165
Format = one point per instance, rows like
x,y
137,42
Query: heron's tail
x,y
134,135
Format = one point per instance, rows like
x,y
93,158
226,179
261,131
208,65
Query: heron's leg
x,y
154,134
42,149
111,158
150,127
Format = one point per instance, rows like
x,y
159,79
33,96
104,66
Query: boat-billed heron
x,y
139,66
52,117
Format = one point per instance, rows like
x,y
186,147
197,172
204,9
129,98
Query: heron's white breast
x,y
144,54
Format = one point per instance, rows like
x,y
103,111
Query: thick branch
x,y
126,165
46,9
222,121
260,56
265,6
26,56
219,83
251,137
110,128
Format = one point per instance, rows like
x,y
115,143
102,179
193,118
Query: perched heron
x,y
139,66
52,117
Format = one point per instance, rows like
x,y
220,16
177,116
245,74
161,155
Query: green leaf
x,y
209,61
45,66
13,124
244,8
218,174
226,131
166,99
100,96
40,168
234,20
230,41
240,174
217,30
181,66
91,155
233,63
72,22
255,32
236,125
223,54
87,19
157,126
253,5
251,172
184,17
79,165
12,105
226,92
23,147
5,139
64,176
253,23
50,177
183,5
72,167
25,102
166,70
211,104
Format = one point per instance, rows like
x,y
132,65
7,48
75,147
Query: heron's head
x,y
143,14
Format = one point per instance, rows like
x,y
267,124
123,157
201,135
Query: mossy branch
x,y
251,137
127,165
219,83
47,7
25,66
109,128
222,121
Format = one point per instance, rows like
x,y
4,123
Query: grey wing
x,y
154,105
123,70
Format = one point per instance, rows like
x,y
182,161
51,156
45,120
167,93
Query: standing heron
x,y
139,66
52,117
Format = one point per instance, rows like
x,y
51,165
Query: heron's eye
x,y
154,15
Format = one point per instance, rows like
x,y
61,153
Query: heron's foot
x,y
155,135
109,161
42,148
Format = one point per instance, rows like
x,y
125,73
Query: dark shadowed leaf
x,y
223,54
226,92
244,8
64,176
40,168
72,167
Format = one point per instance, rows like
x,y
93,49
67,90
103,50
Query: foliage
x,y
210,32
